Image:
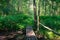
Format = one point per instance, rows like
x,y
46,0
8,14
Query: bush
x,y
14,22
50,21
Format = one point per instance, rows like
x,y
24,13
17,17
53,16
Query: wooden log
x,y
30,35
50,29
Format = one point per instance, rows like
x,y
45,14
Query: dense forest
x,y
42,15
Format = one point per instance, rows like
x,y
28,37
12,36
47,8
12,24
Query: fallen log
x,y
30,35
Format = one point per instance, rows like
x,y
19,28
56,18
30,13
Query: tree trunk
x,y
53,8
38,14
18,6
45,6
35,16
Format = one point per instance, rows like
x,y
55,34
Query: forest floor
x,y
11,35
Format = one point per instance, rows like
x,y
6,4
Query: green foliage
x,y
52,22
14,22
19,20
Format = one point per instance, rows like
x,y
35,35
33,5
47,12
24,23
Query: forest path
x,y
30,35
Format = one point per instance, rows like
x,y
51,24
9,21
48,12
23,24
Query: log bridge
x,y
30,35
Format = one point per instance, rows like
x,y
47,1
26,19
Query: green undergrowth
x,y
52,22
20,21
15,22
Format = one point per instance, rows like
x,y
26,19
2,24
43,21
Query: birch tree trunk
x,y
38,14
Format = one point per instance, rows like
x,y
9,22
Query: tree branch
x,y
50,29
